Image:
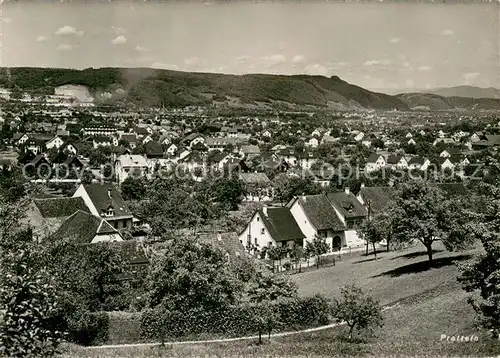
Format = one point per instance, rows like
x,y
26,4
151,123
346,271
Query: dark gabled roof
x,y
102,139
141,130
98,193
199,146
217,157
347,204
379,197
153,148
72,159
280,224
40,158
190,137
250,149
493,139
82,227
252,178
320,212
60,207
131,137
394,159
373,158
417,160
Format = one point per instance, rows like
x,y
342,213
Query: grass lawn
x,y
429,303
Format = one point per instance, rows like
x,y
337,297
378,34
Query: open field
x,y
430,303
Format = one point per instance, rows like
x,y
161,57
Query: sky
x,y
376,45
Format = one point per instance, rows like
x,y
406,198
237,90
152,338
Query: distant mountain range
x,y
466,91
154,87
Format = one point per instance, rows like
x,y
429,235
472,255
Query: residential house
x,y
443,163
106,202
192,139
268,227
125,165
419,163
44,216
334,216
103,141
289,155
396,161
376,199
55,142
267,134
312,143
375,162
307,160
171,149
411,142
249,151
131,139
86,228
258,186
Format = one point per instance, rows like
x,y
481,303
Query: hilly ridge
x,y
155,87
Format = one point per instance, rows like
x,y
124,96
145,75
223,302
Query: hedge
x,y
89,328
293,314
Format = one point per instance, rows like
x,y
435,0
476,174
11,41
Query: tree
x,y
133,188
191,274
287,187
483,274
270,287
357,309
265,317
371,233
317,247
28,298
424,214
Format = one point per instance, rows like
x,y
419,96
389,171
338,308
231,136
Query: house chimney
x,y
109,193
264,210
347,190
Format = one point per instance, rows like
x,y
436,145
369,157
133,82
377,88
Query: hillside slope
x,y
152,87
466,91
435,102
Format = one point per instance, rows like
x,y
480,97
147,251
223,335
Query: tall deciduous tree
x,y
483,275
357,309
424,214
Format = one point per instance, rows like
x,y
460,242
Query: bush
x,y
89,328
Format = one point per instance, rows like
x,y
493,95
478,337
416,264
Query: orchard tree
x,y
357,309
317,247
265,317
371,233
483,275
424,214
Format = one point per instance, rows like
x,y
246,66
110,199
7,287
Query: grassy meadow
x,y
427,303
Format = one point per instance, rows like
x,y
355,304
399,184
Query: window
x,y
350,224
258,218
255,240
262,231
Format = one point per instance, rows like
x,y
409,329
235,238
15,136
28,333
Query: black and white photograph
x,y
249,178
